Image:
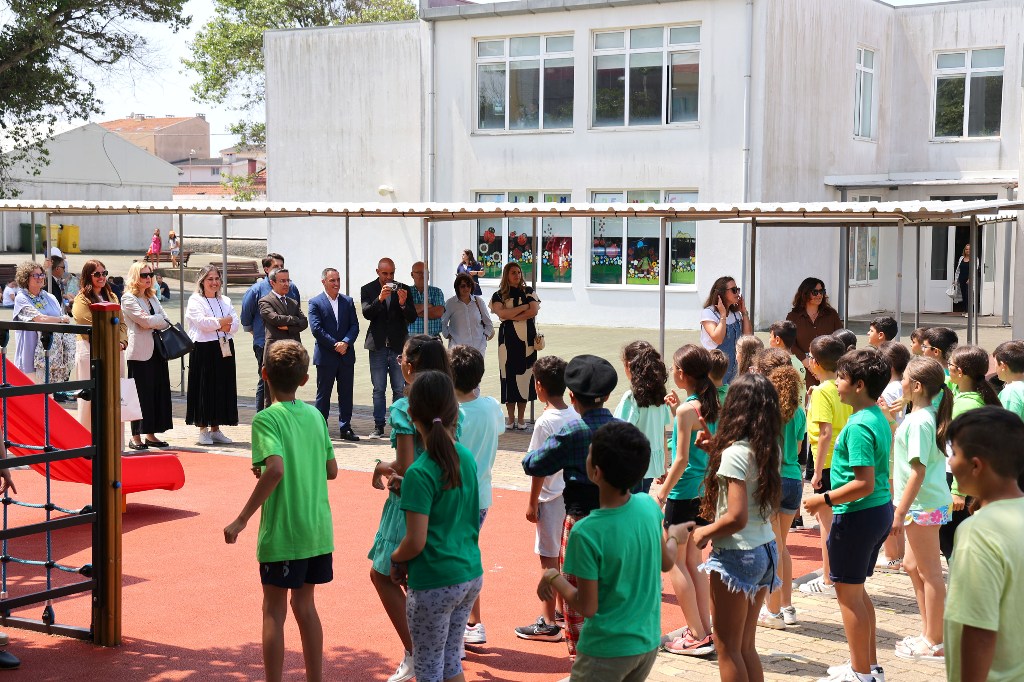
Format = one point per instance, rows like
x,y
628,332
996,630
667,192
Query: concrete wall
x,y
175,143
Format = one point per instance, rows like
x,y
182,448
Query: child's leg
x,y
825,522
429,613
923,544
859,625
469,593
701,583
275,610
784,596
733,613
573,618
755,673
910,565
685,584
310,630
549,607
393,598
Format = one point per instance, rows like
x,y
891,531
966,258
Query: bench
x,y
7,271
241,272
165,257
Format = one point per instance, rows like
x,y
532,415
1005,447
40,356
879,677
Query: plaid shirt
x,y
436,298
567,450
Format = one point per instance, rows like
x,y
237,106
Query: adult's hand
x,y
341,347
402,296
722,310
385,292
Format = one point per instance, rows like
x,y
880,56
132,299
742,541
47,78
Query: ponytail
x,y
707,396
943,417
988,394
695,362
441,449
435,411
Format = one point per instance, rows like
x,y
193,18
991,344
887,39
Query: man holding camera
x,y
389,308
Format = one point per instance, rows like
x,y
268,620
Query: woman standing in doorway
x,y
962,277
724,320
813,316
516,306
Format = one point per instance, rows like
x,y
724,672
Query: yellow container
x,y
69,239
54,237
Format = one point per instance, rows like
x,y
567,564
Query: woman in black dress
x,y
516,306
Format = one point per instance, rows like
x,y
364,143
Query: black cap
x,y
590,376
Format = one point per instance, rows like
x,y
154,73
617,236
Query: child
x,y
938,343
590,380
293,459
746,348
893,407
439,556
681,493
882,329
546,508
919,483
782,335
985,609
862,504
644,406
163,291
826,418
742,488
848,338
155,246
1009,358
421,353
482,426
174,246
719,368
10,291
617,555
916,339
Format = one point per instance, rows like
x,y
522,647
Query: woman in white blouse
x,y
466,321
212,395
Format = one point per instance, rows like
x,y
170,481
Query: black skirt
x,y
212,392
154,386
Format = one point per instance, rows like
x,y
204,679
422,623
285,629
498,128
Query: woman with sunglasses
x,y
95,288
33,304
724,320
813,316
141,306
466,321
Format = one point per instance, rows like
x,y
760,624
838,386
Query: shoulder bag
x,y
483,314
171,343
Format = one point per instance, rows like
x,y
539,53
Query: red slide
x,y
25,425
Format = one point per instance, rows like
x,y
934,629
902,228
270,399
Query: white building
x,y
677,101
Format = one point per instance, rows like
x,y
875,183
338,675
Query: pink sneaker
x,y
688,645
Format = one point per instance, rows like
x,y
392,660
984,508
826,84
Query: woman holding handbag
x,y
212,395
144,314
466,321
516,305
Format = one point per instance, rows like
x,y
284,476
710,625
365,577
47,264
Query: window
x,y
646,76
969,93
864,95
863,256
524,83
639,263
215,171
510,240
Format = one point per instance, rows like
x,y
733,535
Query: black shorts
x,y
854,542
681,511
826,482
293,574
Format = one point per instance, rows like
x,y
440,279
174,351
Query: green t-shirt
x,y
691,483
986,587
802,371
738,464
452,554
620,548
826,407
915,440
792,436
964,402
295,522
723,391
1012,397
864,441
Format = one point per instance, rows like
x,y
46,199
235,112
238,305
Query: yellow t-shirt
x,y
826,407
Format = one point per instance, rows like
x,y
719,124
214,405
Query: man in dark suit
x,y
282,316
335,326
389,308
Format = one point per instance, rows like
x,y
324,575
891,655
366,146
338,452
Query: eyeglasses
x,y
465,285
735,290
100,273
145,275
282,281
817,292
38,275
925,348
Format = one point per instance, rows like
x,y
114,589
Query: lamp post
x,y
191,153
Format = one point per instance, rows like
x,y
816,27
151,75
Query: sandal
x,y
919,649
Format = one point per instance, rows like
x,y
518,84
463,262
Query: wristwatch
x,y
828,499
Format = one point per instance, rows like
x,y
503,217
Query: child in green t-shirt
x,y
919,483
1009,357
985,608
862,504
719,368
782,334
916,339
617,555
296,535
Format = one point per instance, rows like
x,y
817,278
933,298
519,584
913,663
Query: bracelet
x,y
552,578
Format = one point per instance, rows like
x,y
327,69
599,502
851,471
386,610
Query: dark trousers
x,y
948,531
261,386
341,375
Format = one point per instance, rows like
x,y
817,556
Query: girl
x,y
741,490
155,246
924,499
421,353
681,496
746,348
438,557
644,404
779,611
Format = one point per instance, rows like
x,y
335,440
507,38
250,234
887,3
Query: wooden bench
x,y
241,271
7,271
165,257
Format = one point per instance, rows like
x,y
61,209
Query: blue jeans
x,y
384,363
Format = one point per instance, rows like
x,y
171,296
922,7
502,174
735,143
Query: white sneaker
x,y
406,670
767,619
219,436
838,670
789,615
819,588
205,438
475,634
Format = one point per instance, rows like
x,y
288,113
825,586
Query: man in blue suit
x,y
253,323
332,318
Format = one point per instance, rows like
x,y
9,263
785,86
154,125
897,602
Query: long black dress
x,y
516,353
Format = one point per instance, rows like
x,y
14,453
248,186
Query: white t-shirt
x,y
710,314
893,392
548,424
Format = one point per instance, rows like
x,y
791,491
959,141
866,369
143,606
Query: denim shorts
x,y
792,492
746,570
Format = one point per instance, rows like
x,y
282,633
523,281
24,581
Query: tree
x,y
227,53
47,50
243,187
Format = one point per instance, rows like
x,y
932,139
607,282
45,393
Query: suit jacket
x,y
328,330
389,325
276,312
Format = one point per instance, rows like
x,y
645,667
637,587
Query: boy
x,y
616,553
719,367
590,380
545,507
916,339
482,423
985,607
826,417
782,335
882,329
1009,357
862,504
296,535
891,402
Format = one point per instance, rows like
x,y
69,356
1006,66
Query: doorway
x,y
943,245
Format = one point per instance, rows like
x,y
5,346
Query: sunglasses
x,y
735,290
145,275
38,275
100,273
817,292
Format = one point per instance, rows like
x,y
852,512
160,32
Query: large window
x,y
646,76
501,241
969,93
625,250
864,95
863,253
524,83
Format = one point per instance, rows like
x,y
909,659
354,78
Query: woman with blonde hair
x,y
144,314
516,305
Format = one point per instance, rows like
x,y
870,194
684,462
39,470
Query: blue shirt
x,y
436,298
250,317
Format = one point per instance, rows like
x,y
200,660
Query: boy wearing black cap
x,y
590,380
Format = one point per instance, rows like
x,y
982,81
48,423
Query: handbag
x,y
172,343
538,341
487,337
131,409
954,292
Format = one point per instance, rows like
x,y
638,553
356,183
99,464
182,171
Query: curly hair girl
x,y
747,348
786,381
647,373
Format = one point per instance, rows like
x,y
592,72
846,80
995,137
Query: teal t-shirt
x,y
864,441
691,483
915,441
402,425
653,421
484,423
1012,397
738,464
452,553
620,548
792,436
295,522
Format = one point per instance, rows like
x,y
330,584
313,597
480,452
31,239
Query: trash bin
x,y
26,238
54,237
69,239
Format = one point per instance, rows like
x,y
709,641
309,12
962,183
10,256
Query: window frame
x,y
858,94
966,71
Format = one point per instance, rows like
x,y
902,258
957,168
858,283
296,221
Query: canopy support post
x,y
972,287
752,293
917,279
664,268
899,279
181,295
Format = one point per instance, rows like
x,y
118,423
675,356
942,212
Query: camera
x,y
391,285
